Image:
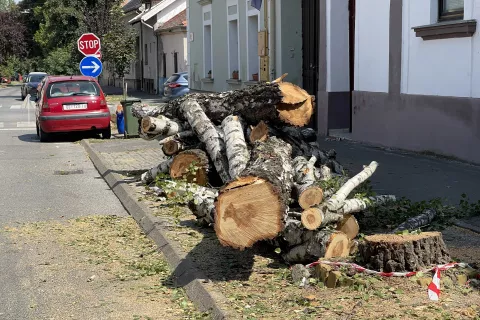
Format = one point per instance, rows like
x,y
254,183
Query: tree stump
x,y
399,253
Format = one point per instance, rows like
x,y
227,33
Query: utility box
x,y
264,70
131,123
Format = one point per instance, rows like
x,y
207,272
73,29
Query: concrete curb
x,y
198,289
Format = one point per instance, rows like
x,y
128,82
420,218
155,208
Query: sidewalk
x,y
412,175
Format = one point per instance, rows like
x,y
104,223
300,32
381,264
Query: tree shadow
x,y
215,262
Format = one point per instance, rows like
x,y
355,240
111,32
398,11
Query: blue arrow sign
x,y
91,66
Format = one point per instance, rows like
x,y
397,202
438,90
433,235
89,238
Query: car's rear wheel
x,y
44,137
106,133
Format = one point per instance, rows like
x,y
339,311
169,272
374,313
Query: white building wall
x,y
150,69
443,67
372,45
338,67
175,42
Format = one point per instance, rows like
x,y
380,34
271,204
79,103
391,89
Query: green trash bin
x,y
131,123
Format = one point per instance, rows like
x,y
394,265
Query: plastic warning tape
x,y
361,269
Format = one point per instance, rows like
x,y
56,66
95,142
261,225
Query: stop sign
x,y
88,44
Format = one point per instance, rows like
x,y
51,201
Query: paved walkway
x,y
415,176
128,155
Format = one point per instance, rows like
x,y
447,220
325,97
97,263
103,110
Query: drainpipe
x,y
142,57
271,38
158,65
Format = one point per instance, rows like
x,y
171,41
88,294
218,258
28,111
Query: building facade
x,y
414,80
223,42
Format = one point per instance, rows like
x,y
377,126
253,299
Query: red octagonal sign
x,y
88,44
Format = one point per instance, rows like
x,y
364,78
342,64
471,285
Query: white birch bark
x,y
304,170
208,134
237,151
357,205
160,125
163,167
336,201
178,136
325,173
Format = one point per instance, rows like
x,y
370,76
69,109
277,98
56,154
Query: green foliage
x,y
9,67
7,5
387,217
119,44
59,61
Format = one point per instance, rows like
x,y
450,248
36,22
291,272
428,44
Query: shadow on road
x,y
60,137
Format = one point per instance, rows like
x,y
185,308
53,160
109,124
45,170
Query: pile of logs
x,y
248,167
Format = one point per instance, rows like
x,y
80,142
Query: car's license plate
x,y
79,106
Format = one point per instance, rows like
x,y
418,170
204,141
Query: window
x,y
450,9
146,54
207,41
164,64
73,88
175,62
233,55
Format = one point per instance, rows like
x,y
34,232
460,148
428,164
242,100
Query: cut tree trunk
x,y
300,147
305,174
150,175
208,134
191,165
323,244
173,147
349,226
259,132
253,207
308,195
417,222
357,205
237,151
337,200
181,136
399,253
160,126
313,218
253,103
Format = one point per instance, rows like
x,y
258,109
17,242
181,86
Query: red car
x,y
71,103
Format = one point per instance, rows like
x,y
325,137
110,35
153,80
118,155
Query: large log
x,y
357,205
417,222
337,200
399,253
237,151
305,174
253,207
160,126
322,244
150,175
253,103
208,134
191,165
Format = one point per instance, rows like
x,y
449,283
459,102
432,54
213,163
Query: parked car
x,y
4,80
176,86
30,83
71,103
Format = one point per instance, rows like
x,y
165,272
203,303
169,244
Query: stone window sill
x,y
446,30
207,80
234,81
204,2
251,82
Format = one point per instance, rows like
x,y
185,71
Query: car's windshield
x,y
36,78
73,88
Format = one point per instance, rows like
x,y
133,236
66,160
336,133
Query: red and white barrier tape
x,y
433,288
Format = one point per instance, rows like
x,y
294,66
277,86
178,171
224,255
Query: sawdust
x,y
400,238
259,286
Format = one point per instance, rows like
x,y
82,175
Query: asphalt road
x,y
39,182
